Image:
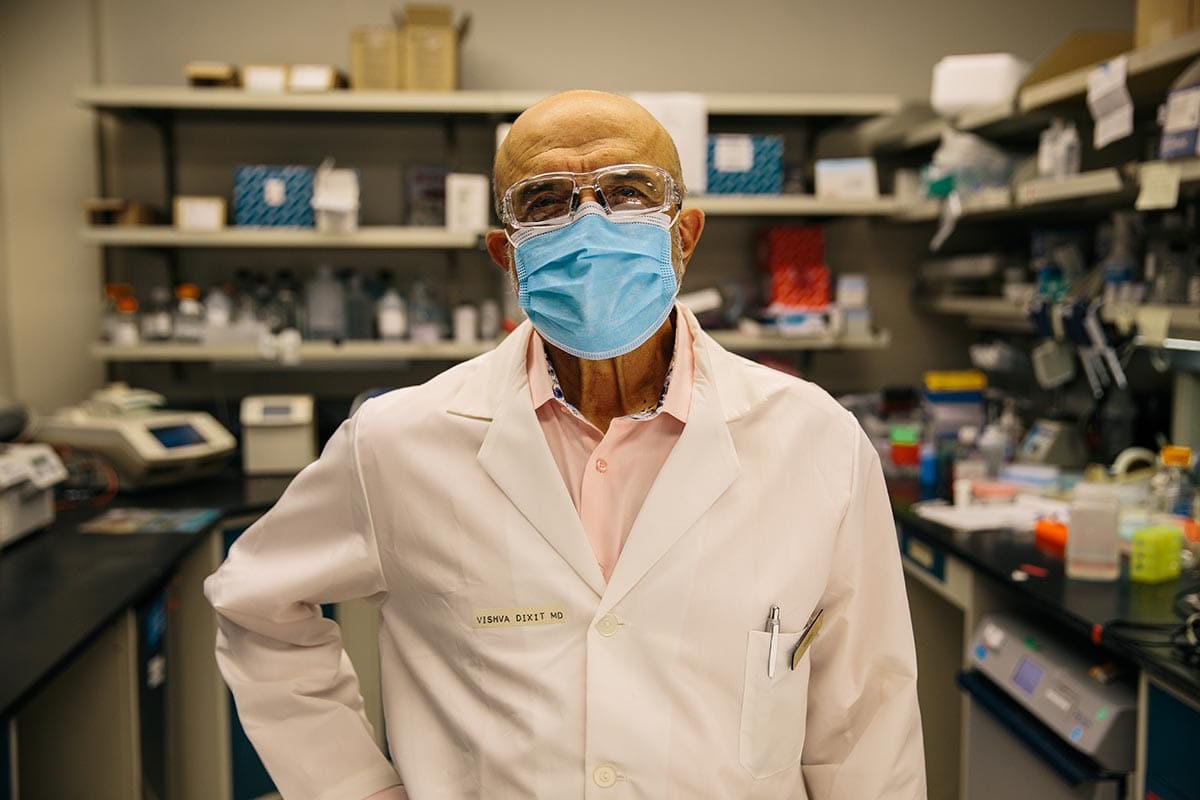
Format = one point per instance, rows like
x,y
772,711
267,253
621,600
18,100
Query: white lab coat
x,y
444,505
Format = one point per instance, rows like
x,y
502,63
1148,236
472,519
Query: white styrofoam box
x,y
467,200
847,179
970,81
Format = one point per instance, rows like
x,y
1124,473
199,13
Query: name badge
x,y
516,617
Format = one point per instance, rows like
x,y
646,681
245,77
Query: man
x,y
611,559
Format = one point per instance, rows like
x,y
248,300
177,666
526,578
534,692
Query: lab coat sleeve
x,y
863,728
296,690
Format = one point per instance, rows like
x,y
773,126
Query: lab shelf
x,y
790,205
1189,168
1098,183
170,98
986,202
366,238
1150,71
378,352
987,313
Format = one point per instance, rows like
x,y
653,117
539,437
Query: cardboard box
x,y
1159,21
265,77
420,52
211,73
195,213
118,211
743,164
273,196
375,58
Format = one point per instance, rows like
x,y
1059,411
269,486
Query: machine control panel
x,y
1051,679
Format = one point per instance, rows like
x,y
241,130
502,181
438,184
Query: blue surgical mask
x,y
598,287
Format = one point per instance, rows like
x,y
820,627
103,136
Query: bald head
x,y
580,131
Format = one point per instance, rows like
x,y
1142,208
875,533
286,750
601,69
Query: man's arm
x,y
296,691
863,734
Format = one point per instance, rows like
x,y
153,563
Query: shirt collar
x,y
676,396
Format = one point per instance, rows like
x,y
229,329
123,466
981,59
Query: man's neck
x,y
616,387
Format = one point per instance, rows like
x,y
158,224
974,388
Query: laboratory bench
x,y
78,611
956,579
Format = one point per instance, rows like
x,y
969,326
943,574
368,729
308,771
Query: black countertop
x,y
60,588
1086,607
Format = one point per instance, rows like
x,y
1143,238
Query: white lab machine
x,y
1041,725
147,447
28,475
279,434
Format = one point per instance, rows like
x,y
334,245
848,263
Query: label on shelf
x,y
1109,102
1159,187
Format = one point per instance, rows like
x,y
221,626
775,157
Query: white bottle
x,y
489,320
465,323
993,446
392,315
1093,536
326,301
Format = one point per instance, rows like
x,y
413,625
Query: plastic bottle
x,y
360,310
1093,537
218,313
283,310
968,462
326,302
108,314
1170,489
189,313
1119,265
157,321
994,448
125,327
424,316
392,315
490,320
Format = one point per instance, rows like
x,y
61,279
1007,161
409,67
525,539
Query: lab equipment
x,y
1154,554
994,448
28,475
1053,442
1093,535
147,447
278,434
1058,720
325,299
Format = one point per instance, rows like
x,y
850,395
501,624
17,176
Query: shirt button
x,y
601,466
605,776
607,626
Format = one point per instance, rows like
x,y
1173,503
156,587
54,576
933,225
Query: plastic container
x,y
125,327
1093,541
968,81
1170,488
189,313
994,448
326,302
391,314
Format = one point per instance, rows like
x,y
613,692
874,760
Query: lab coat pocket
x,y
773,708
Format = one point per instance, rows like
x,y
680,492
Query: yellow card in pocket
x,y
808,636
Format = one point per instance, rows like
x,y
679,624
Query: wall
x,y
6,337
47,167
780,45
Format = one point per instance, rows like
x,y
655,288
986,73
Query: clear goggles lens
x,y
624,189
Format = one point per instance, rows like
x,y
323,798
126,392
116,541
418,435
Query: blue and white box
x,y
273,196
744,164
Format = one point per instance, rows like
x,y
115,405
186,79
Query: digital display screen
x,y
1028,675
172,436
276,411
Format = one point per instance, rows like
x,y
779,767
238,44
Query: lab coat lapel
x,y
515,454
699,469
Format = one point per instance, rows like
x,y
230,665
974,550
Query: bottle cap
x,y
127,304
187,291
1176,456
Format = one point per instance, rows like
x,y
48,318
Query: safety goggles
x,y
622,190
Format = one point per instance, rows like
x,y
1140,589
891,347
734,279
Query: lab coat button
x,y
601,466
607,626
605,776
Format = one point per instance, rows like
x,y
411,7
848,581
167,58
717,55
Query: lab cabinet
x,y
211,758
1172,739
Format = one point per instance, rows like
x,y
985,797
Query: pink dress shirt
x,y
608,475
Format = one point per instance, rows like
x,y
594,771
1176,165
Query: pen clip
x,y
773,620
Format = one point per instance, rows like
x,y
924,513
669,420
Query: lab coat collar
x,y
701,466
